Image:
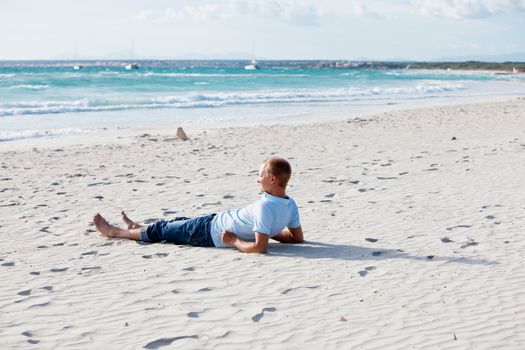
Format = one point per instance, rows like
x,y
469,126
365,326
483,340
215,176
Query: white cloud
x,y
144,15
296,12
461,9
290,11
202,12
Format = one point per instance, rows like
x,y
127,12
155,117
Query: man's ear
x,y
273,179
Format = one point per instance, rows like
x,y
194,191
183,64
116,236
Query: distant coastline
x,y
516,67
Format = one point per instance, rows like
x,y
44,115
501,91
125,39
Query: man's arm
x,y
290,235
259,246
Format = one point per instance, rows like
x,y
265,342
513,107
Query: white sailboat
x,y
131,66
252,66
76,66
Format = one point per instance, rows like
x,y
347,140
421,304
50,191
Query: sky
x,y
262,29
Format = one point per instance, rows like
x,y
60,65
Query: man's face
x,y
264,180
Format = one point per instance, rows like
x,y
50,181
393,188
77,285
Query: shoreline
x,y
338,114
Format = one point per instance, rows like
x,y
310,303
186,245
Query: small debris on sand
x,y
181,134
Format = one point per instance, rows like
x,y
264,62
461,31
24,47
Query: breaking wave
x,y
220,99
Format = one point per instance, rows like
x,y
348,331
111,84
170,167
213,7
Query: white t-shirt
x,y
269,215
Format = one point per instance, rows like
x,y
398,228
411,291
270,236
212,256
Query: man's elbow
x,y
258,250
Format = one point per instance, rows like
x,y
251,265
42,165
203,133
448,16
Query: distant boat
x,y
76,66
252,66
131,66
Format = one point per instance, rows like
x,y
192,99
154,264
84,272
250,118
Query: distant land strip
x,y
511,67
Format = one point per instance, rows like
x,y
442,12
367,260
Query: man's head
x,y
274,174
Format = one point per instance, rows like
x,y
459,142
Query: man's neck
x,y
278,192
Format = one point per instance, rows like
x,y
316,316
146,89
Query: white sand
x,y
397,177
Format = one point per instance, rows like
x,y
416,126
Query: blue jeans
x,y
181,230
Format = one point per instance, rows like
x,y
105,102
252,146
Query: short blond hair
x,y
280,168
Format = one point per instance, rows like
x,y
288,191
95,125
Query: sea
x,y
52,99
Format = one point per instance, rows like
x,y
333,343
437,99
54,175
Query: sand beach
x,y
413,222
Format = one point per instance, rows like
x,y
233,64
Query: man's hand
x,y
290,235
228,238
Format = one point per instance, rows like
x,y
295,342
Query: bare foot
x,y
130,224
102,225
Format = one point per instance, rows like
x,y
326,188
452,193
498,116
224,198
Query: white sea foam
x,y
223,75
197,75
219,99
33,133
30,86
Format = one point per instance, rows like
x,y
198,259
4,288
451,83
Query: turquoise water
x,y
42,101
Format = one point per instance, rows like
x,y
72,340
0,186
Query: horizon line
x,y
258,59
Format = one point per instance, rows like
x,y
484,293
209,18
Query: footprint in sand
x,y
364,272
25,292
167,341
8,264
59,269
470,243
257,317
195,314
286,291
156,255
29,334
203,205
458,226
446,240
92,252
365,189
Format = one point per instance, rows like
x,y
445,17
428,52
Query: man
x,y
274,215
